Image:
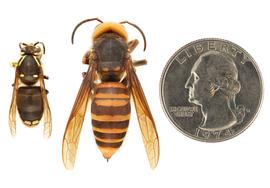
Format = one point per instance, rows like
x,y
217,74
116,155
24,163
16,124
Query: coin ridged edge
x,y
169,62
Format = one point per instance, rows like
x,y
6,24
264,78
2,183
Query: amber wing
x,y
47,112
13,105
74,125
146,121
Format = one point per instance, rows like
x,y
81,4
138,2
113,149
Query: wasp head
x,y
35,49
108,27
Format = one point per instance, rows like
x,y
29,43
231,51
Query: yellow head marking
x,y
110,26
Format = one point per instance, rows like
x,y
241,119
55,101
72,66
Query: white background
x,y
30,161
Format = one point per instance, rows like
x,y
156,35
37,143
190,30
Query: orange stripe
x,y
107,151
110,130
112,84
111,96
109,140
109,102
110,118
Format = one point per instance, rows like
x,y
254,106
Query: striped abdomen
x,y
110,116
30,104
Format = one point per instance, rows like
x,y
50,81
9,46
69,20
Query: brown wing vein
x,y
13,105
74,125
146,121
47,112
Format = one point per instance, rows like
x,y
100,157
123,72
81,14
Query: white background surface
x,y
30,161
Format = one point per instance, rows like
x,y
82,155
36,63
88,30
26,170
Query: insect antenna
x,y
79,24
139,29
21,44
42,44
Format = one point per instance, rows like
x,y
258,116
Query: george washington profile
x,y
213,85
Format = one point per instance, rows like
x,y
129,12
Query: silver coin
x,y
211,90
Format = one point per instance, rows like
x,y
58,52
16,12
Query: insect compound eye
x,y
37,49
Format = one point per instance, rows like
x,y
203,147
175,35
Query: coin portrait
x,y
211,90
213,85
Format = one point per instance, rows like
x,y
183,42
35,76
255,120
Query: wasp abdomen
x,y
30,105
110,116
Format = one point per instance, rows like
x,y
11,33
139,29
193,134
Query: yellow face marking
x,y
110,26
21,75
35,76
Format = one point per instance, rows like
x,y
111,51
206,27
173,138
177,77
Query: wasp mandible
x,y
29,92
109,82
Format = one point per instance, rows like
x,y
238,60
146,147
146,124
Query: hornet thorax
x,y
110,49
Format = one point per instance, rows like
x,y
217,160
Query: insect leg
x,y
86,57
132,44
137,63
46,77
83,74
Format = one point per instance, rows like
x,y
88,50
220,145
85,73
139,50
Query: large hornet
x,y
109,82
29,92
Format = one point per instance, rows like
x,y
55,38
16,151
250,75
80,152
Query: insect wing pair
x,y
29,93
117,78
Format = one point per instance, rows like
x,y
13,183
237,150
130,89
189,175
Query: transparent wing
x,y
47,112
146,121
74,125
13,106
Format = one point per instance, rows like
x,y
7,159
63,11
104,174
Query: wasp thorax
x,y
111,50
29,70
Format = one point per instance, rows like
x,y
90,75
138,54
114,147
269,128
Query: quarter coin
x,y
211,90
